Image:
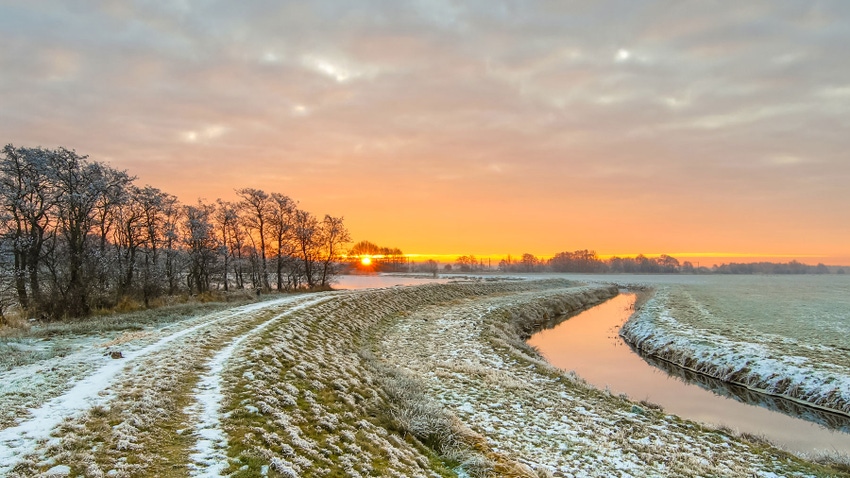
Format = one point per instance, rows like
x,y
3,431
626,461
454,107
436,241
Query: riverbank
x,y
471,359
665,328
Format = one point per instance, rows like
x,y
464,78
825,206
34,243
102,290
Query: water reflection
x,y
589,344
835,421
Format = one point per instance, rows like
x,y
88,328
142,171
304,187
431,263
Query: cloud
x,y
786,160
607,97
204,134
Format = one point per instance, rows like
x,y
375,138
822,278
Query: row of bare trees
x,y
78,235
587,261
383,259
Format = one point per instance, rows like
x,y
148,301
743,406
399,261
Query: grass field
x,y
784,335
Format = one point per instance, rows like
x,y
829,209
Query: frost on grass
x,y
308,399
208,458
56,357
319,405
416,382
470,358
117,419
676,328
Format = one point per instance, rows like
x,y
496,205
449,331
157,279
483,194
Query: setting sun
x,y
366,261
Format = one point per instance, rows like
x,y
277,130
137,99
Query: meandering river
x,y
589,344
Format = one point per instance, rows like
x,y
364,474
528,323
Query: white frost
x,y
210,458
88,392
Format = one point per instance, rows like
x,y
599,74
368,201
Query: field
x,y
783,335
425,381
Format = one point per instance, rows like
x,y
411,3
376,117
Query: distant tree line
x,y
792,267
77,235
587,261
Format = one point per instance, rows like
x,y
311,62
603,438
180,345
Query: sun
x,y
366,261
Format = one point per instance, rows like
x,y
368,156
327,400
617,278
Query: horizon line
x,y
606,256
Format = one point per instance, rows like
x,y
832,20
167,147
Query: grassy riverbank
x,y
752,341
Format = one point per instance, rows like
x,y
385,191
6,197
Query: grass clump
x,y
17,353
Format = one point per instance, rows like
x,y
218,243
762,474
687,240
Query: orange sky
x,y
439,128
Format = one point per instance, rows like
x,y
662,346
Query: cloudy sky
x,y
486,127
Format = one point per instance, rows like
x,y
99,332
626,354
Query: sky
x,y
695,129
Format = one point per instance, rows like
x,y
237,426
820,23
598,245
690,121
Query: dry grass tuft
x,y
838,461
13,324
426,419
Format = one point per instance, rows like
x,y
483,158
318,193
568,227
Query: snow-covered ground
x,y
303,386
675,327
549,420
210,458
103,380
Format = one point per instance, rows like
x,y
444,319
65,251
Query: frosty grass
x,y
423,381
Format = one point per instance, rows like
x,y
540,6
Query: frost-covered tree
x,y
154,206
226,219
80,186
28,197
332,236
128,240
280,227
306,234
202,246
77,234
256,207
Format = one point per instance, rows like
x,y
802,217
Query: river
x,y
589,344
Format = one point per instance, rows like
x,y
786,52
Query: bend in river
x,y
589,345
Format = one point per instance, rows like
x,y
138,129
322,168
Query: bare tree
x,y
529,261
306,228
107,211
27,196
225,220
238,251
280,227
154,206
467,263
201,243
364,248
256,205
128,239
80,186
333,235
431,266
78,234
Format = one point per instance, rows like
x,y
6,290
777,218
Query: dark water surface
x,y
589,344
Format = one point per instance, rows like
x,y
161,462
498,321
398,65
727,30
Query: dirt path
x,y
136,375
210,458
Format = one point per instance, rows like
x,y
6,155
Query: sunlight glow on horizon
x,y
707,258
555,125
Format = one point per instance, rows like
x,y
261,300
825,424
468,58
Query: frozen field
x,y
808,309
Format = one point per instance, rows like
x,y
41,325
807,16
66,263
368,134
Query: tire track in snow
x,y
88,392
210,457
